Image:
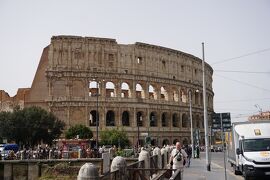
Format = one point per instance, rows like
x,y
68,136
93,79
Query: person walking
x,y
188,150
178,157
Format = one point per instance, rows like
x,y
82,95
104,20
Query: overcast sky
x,y
236,32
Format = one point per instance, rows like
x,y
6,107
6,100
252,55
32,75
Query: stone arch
x,y
139,91
154,142
110,89
164,93
152,92
164,119
125,118
93,118
165,142
139,118
185,141
125,90
175,95
175,120
183,95
110,118
93,88
175,141
153,119
184,120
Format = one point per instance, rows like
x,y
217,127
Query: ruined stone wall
x,y
136,84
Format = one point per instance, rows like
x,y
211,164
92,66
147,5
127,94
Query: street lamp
x,y
97,115
139,119
208,163
191,121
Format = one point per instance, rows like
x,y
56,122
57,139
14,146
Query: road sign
x,y
221,121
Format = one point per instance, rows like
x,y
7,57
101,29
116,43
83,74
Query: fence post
x,y
119,164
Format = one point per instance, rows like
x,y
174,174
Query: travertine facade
x,y
139,82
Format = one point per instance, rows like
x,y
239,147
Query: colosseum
x,y
139,87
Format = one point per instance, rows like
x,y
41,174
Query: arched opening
x,y
164,119
183,96
153,119
110,89
175,95
125,91
184,121
110,118
93,88
93,118
185,142
163,93
152,92
175,120
139,91
154,142
139,118
125,118
165,142
175,141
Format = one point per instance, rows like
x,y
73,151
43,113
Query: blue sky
x,y
229,29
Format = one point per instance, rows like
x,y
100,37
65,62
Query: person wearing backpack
x,y
178,157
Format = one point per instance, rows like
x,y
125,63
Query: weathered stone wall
x,y
137,84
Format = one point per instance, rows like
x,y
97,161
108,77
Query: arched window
x,y
175,120
175,141
125,118
110,89
152,92
153,119
125,91
164,120
93,88
163,93
165,142
183,96
139,91
93,118
184,121
175,96
110,118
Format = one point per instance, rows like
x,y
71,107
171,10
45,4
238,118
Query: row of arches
x,y
150,91
164,119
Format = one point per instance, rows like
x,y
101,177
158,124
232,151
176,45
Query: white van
x,y
249,148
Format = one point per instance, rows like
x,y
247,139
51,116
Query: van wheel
x,y
246,177
236,172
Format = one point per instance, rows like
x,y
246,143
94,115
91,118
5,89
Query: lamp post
x,y
191,122
97,115
208,163
138,130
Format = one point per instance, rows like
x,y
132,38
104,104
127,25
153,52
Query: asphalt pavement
x,y
198,170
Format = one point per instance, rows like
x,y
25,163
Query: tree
x,y
81,130
30,126
114,137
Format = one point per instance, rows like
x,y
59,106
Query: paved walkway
x,y
197,171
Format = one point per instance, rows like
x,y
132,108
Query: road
x,y
198,171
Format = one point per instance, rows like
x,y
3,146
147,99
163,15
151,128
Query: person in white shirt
x,y
178,156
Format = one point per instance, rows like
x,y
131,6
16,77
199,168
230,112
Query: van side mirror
x,y
238,151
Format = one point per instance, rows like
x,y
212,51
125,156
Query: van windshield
x,y
256,145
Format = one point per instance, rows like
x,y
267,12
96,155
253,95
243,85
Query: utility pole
x,y
208,163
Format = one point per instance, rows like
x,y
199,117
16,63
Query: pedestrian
x,y
178,157
189,155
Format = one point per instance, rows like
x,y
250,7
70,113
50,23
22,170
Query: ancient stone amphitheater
x,y
139,87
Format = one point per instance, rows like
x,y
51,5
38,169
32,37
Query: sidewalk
x,y
198,171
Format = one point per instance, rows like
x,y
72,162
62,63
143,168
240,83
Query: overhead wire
x,y
241,56
251,72
245,83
